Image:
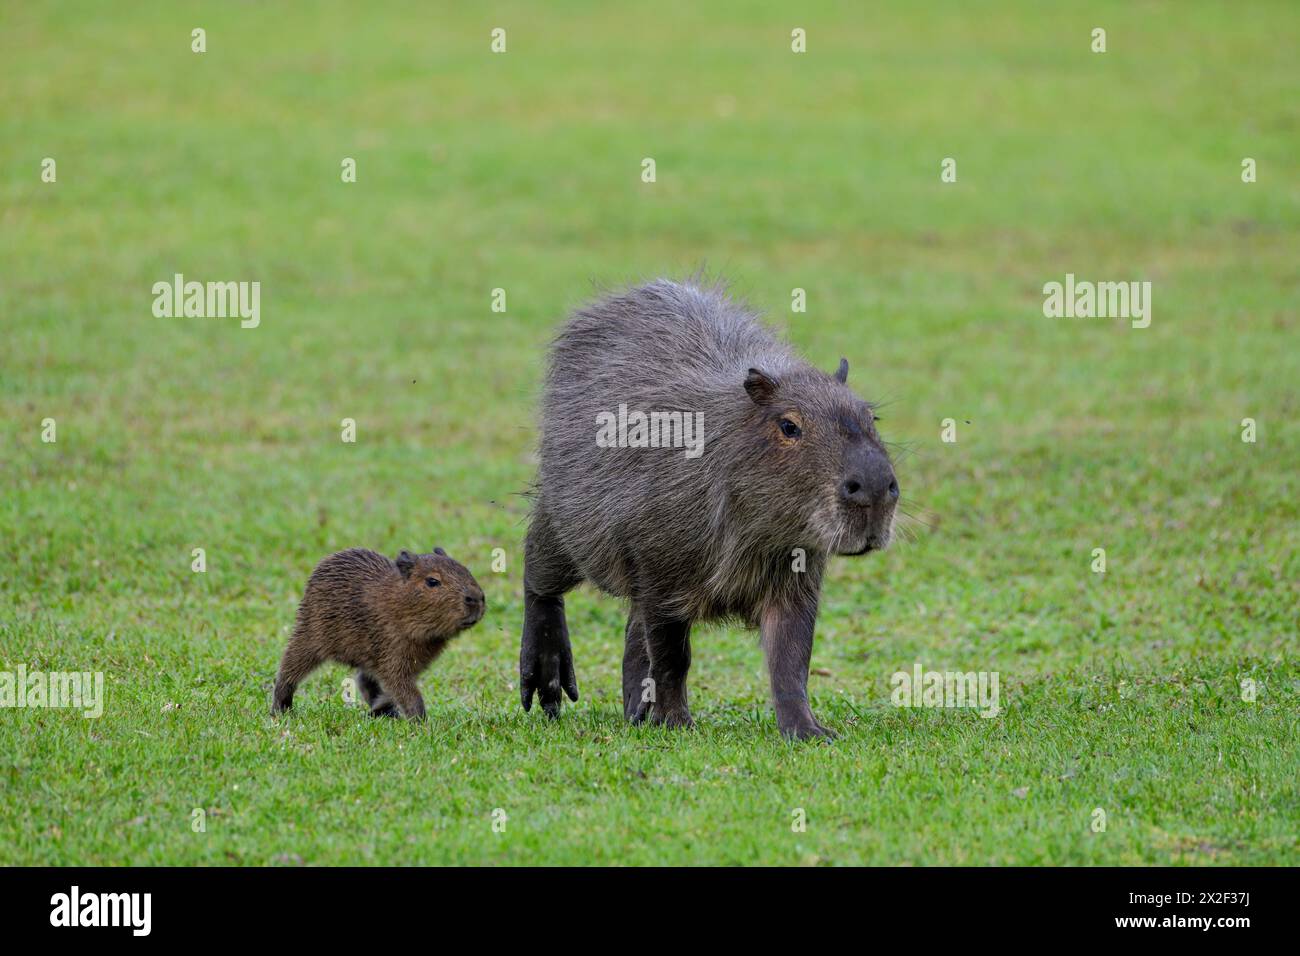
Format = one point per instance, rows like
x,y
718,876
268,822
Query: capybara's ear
x,y
405,562
842,373
440,551
761,387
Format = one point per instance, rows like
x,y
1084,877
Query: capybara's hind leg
x,y
545,657
299,660
380,704
636,668
668,642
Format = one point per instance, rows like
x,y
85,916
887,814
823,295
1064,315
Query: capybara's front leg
x,y
668,643
405,694
545,657
787,645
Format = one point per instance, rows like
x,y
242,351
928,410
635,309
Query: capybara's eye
x,y
432,582
789,429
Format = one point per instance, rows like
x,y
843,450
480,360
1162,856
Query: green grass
x,y
522,171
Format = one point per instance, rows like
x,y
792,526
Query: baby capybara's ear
x,y
405,562
440,551
842,373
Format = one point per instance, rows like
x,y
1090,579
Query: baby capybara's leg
x,y
636,665
405,694
545,657
380,704
668,642
300,659
368,687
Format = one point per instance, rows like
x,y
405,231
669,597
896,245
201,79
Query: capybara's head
x,y
437,595
819,461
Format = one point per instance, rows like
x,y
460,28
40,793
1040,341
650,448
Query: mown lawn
x,y
1121,691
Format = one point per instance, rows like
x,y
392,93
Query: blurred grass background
x,y
522,171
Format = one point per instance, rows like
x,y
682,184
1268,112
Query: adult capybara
x,y
790,471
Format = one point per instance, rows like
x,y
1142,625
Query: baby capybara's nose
x,y
475,602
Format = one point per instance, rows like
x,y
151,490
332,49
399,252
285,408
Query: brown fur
x,y
382,617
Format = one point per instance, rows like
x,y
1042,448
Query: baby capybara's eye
x,y
789,429
432,582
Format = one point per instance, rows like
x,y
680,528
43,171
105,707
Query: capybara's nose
x,y
853,492
475,602
873,486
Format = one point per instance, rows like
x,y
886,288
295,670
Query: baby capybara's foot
x,y
282,699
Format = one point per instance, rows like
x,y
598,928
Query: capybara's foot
x,y
677,717
806,729
545,668
282,699
634,707
664,713
404,695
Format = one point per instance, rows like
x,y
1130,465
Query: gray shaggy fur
x,y
693,539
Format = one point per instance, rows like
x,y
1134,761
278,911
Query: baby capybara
x,y
389,619
734,516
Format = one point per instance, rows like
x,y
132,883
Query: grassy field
x,y
522,171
